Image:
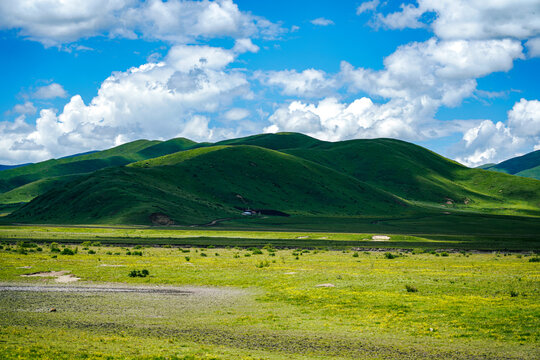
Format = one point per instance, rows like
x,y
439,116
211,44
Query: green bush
x,y
410,288
534,259
444,253
203,254
54,247
91,252
263,263
138,273
355,254
67,251
187,258
389,255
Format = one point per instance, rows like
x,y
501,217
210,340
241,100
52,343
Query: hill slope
x,y
307,177
200,185
22,184
527,165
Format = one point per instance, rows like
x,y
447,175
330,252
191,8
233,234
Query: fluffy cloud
x,y
533,45
367,6
491,142
51,91
332,120
55,22
470,19
236,114
154,100
308,83
441,71
26,109
322,22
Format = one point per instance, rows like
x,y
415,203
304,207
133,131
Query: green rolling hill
x,y
200,185
23,183
527,165
315,182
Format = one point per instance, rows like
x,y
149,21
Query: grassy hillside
x,y
24,183
307,178
200,185
279,141
527,165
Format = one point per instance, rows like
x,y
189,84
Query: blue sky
x,y
459,77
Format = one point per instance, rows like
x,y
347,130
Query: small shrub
x,y
217,254
257,252
86,244
263,263
96,243
355,254
184,250
167,246
203,254
444,253
513,293
187,258
410,288
138,247
109,253
39,249
54,257
67,251
138,273
296,258
128,252
91,252
236,256
389,255
54,247
247,255
210,247
534,259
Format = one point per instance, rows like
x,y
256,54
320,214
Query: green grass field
x,y
264,303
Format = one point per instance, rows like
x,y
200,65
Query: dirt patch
x,y
380,238
107,265
116,288
325,285
62,276
161,219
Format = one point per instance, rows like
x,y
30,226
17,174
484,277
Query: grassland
x,y
265,304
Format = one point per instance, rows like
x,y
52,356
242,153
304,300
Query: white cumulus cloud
x,y
367,6
50,91
154,100
308,83
56,22
471,19
322,22
491,142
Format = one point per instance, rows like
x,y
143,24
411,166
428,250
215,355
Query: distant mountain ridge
x,y
190,183
7,167
527,165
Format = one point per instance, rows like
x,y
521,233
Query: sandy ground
x,y
380,238
122,288
63,276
